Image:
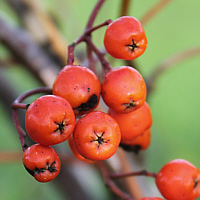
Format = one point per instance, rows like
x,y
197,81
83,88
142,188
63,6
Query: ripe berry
x,y
75,152
50,120
133,124
125,38
123,89
179,179
96,136
80,86
141,142
41,162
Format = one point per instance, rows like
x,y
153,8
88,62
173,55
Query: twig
x,y
87,38
20,130
17,103
130,183
169,63
91,60
109,182
125,4
138,173
105,64
94,14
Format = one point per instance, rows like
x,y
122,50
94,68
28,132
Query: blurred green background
x,y
174,101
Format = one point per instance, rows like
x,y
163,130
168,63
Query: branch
x,y
139,173
94,14
125,4
109,183
35,18
27,52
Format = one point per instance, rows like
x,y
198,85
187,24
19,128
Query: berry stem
x,y
20,130
17,104
110,183
138,173
83,38
105,64
94,14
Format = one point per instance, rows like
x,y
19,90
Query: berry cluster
x,y
76,92
68,113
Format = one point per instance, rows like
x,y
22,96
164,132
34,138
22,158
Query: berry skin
x,y
50,120
123,89
80,86
133,124
96,136
179,180
41,162
125,38
151,198
141,142
75,152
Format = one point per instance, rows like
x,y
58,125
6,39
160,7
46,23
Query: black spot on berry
x,y
29,171
91,103
131,148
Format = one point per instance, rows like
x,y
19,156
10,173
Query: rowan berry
x,y
123,89
133,124
179,179
49,120
141,142
79,86
96,136
75,152
125,38
42,162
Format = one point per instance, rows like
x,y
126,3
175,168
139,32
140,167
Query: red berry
x,y
141,142
96,136
50,120
79,86
179,180
133,124
123,89
75,152
42,162
125,38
